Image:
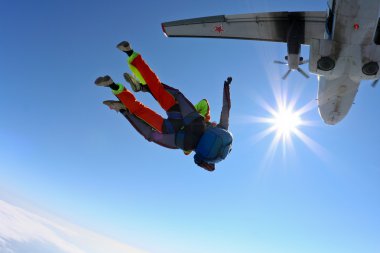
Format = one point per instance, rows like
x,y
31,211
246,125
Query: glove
x,y
228,81
203,164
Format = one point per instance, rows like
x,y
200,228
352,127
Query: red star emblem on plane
x,y
219,29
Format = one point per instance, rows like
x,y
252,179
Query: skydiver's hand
x,y
228,81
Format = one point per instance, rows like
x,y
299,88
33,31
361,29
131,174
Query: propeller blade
x,y
280,62
286,74
374,83
303,72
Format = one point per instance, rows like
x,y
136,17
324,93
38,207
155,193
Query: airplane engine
x,y
295,37
370,68
326,63
322,57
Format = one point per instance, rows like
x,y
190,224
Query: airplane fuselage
x,y
347,55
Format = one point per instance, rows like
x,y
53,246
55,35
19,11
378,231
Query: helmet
x,y
214,145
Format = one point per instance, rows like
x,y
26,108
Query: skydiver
x,y
187,126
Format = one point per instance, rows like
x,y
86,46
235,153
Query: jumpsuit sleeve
x,y
225,114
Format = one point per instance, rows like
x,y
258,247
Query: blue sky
x,y
62,151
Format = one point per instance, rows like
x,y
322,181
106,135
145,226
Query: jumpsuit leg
x,y
186,107
163,97
140,110
165,140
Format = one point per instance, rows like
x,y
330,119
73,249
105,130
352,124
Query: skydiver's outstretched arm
x,y
225,114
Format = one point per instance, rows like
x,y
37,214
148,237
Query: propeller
x,y
374,83
286,74
301,71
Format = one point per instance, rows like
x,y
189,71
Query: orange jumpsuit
x,y
167,132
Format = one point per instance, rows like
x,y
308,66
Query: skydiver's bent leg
x,y
184,105
163,97
138,109
129,102
147,77
165,140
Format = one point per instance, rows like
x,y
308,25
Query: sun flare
x,y
286,121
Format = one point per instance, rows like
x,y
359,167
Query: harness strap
x,y
190,117
174,115
180,139
168,127
189,134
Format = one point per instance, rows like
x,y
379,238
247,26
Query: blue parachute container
x,y
214,145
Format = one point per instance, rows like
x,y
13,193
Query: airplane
x,y
344,45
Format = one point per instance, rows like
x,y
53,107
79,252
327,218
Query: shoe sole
x,y
103,81
134,85
124,46
114,105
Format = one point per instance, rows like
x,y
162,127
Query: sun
x,y
286,121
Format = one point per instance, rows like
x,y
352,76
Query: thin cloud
x,y
19,226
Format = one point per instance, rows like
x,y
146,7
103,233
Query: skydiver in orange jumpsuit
x,y
187,126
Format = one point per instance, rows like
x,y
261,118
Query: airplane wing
x,y
271,26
